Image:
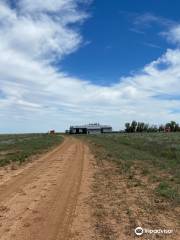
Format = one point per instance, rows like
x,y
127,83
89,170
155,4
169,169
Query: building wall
x,y
94,131
86,130
73,131
106,130
78,131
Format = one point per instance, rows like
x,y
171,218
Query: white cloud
x,y
39,97
39,34
173,35
146,20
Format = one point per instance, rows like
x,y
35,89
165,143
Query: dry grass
x,y
15,149
136,184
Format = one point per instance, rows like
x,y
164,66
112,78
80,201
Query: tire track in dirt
x,y
15,183
40,202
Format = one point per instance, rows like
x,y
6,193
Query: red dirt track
x,y
39,202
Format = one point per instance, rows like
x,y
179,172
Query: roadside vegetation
x,y
18,148
137,183
135,126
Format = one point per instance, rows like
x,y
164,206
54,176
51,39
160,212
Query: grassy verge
x,y
18,148
137,182
156,156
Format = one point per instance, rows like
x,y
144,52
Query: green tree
x,y
172,126
161,128
133,126
177,128
127,127
146,126
140,127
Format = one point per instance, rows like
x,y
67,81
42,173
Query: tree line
x,y
135,126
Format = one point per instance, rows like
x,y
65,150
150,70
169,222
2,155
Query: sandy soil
x,y
40,200
121,204
67,195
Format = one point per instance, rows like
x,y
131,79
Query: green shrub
x,y
165,190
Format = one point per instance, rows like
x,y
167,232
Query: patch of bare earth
x,y
82,226
66,194
40,201
122,202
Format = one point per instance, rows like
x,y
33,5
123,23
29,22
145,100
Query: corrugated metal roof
x,y
92,126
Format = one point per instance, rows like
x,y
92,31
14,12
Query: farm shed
x,y
94,128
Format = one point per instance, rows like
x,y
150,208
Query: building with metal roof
x,y
93,128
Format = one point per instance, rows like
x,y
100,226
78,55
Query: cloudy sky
x,y
65,62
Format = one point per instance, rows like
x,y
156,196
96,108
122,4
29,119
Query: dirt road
x,y
39,201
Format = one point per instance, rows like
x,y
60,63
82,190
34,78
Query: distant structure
x,y
93,128
52,131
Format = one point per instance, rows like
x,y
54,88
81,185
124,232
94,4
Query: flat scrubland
x,y
102,192
17,148
136,183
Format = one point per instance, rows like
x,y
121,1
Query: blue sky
x,y
67,62
117,45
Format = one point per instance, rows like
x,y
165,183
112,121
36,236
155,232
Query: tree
x,y
173,126
154,128
127,127
140,127
161,128
177,128
133,126
146,126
